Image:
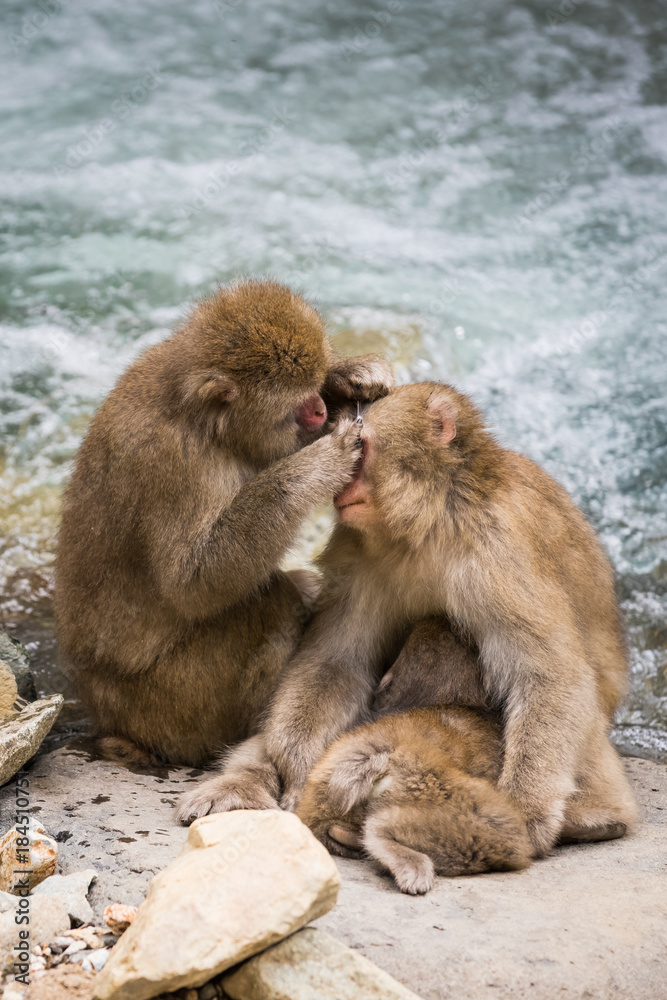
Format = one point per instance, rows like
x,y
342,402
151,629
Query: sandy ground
x,y
588,922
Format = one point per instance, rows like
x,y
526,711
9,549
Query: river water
x,y
478,190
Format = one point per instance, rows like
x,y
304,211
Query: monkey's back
x,y
569,555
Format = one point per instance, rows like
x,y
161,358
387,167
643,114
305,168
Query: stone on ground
x,y
312,965
48,919
118,917
243,881
34,863
22,736
72,890
8,691
16,657
66,982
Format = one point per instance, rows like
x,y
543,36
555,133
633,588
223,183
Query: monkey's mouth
x,y
353,503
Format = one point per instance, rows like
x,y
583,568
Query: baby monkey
x,y
417,791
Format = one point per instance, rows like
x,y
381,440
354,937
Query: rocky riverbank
x,y
588,921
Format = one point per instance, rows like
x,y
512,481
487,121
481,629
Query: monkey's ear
x,y
444,418
211,387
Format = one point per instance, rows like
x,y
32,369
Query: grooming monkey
x,y
440,520
416,790
192,482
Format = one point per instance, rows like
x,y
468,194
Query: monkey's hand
x,y
335,456
223,794
366,378
248,781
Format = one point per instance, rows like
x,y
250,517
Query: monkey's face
x,y
398,487
265,357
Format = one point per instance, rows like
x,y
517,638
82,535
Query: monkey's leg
x,y
413,871
248,781
334,799
604,807
318,700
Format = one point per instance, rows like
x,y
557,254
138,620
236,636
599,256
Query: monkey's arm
x,y
327,689
551,709
222,554
364,378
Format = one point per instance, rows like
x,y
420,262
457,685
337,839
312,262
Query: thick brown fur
x,y
434,667
417,789
442,521
192,482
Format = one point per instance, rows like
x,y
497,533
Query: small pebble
x,y
77,956
95,961
36,950
208,992
37,962
46,951
62,942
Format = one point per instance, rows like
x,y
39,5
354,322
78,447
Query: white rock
x,y
94,961
8,690
312,965
118,917
41,857
72,890
243,881
7,901
22,736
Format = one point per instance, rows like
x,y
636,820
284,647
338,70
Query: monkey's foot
x,y
342,842
291,798
223,794
414,875
345,835
123,751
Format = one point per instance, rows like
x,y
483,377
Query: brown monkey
x,y
434,667
192,482
440,520
416,790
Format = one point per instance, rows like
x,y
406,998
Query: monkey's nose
x,y
312,414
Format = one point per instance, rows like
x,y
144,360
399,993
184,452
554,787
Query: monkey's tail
x,y
355,774
123,751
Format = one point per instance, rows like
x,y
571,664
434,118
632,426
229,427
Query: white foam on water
x,y
482,191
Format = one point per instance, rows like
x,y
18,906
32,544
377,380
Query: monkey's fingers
x,y
365,379
385,682
223,794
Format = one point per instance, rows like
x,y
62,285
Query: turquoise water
x,y
481,191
